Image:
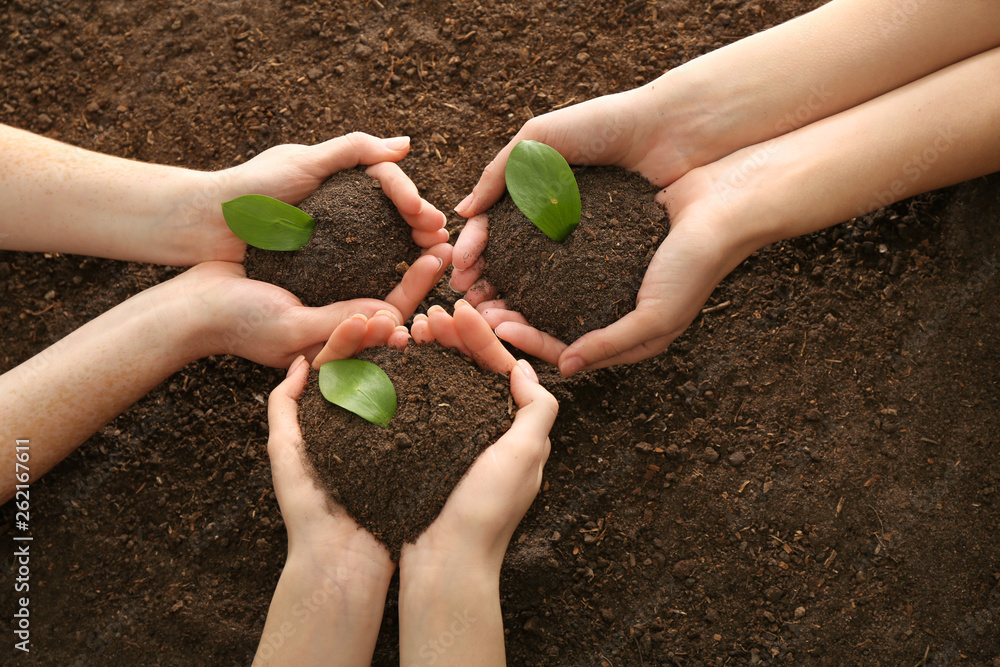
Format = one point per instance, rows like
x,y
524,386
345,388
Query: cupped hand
x,y
624,129
291,172
269,325
713,228
482,512
320,532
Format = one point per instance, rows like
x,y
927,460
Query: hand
x,y
714,226
319,530
624,129
269,325
510,470
449,600
292,172
331,593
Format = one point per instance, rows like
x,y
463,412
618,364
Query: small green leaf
x,y
268,224
543,186
361,387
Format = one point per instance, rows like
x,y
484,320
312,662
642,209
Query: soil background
x,y
807,477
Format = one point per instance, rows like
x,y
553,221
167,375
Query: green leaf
x,y
543,186
361,387
268,224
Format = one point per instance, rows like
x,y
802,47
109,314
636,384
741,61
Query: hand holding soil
x,y
453,567
370,228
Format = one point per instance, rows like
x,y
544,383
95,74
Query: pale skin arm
x,y
61,198
836,57
60,397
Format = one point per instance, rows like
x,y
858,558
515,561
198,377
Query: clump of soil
x,y
360,249
394,481
592,278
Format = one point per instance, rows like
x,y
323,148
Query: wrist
x,y
358,583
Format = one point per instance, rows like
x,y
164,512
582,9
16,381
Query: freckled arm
x,y
61,198
60,397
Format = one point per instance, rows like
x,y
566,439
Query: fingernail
x,y
435,308
419,317
462,303
440,263
295,364
388,314
359,316
464,204
396,143
570,366
526,367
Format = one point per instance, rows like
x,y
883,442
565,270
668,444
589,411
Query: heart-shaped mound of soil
x,y
360,248
394,481
591,279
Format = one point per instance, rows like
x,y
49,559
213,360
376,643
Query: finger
x,y
428,239
285,438
421,330
491,183
357,148
471,242
481,291
399,338
311,327
641,352
380,328
478,337
531,341
635,337
495,312
443,329
418,213
416,283
344,342
463,279
526,443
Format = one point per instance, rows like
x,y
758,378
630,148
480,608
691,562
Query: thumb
x,y
284,436
357,148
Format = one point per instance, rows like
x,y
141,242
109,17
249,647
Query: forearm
x,y
61,198
450,615
938,131
836,57
58,398
318,619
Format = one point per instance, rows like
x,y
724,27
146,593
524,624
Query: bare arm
x,y
838,56
934,132
60,198
58,398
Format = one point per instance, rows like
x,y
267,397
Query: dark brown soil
x,y
846,514
360,249
591,279
394,481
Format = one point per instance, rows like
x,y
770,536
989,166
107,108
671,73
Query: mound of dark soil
x,y
360,248
395,480
592,278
